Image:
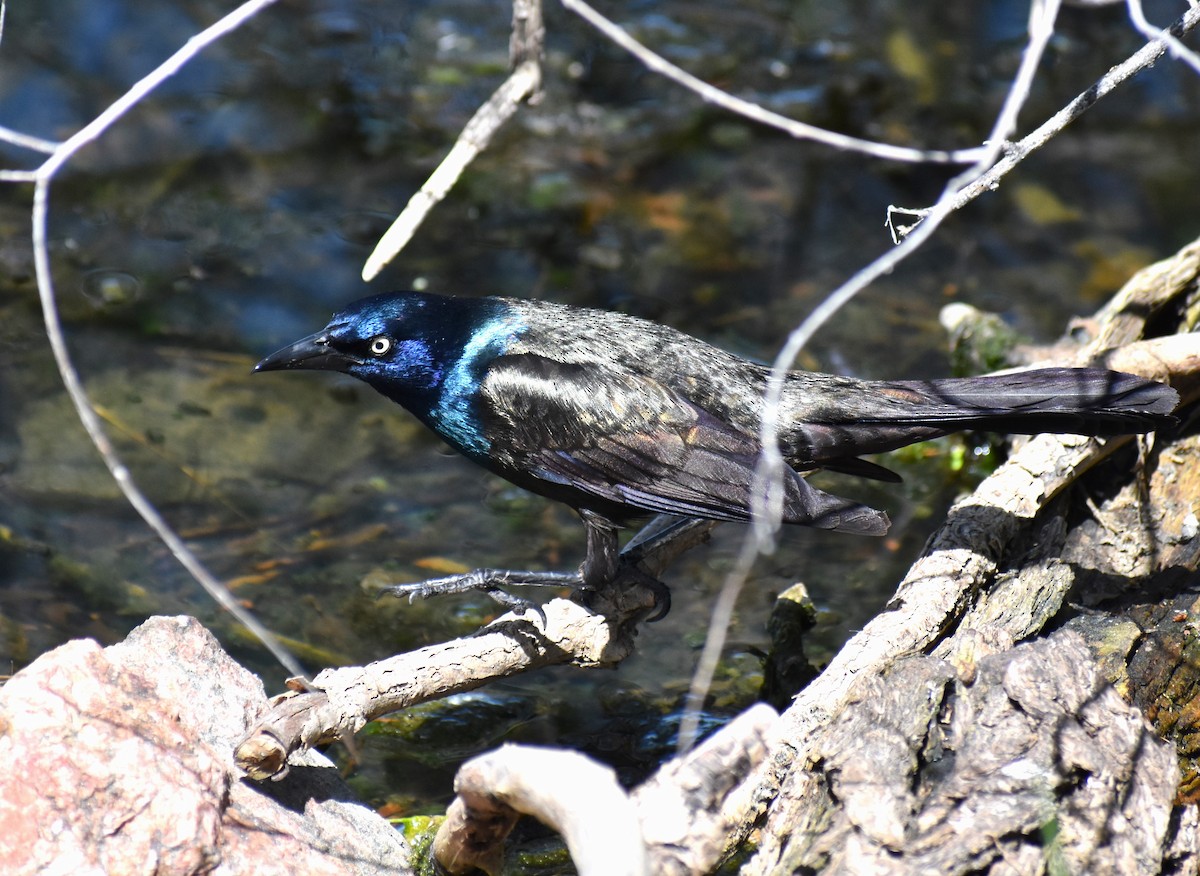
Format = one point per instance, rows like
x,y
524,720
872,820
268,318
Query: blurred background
x,y
232,212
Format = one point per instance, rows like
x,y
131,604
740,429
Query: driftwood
x,y
994,716
921,747
677,822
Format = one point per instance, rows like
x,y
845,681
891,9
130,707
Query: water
x,y
232,212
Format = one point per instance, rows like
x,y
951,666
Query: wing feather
x,y
627,439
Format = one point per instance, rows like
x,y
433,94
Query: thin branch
x,y
1016,153
725,100
37,144
498,109
43,178
1178,50
148,83
525,49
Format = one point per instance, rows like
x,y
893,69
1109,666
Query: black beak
x,y
313,353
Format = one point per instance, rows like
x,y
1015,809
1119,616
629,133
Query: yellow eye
x,y
380,345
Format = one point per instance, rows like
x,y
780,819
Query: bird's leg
x,y
602,564
600,567
490,581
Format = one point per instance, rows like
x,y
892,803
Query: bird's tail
x,y
874,417
1080,401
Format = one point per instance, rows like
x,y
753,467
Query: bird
x,y
621,418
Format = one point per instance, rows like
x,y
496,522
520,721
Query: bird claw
x,y
662,599
489,581
631,574
493,581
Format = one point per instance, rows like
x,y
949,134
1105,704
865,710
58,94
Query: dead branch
x,y
525,50
793,128
488,119
951,602
43,177
675,823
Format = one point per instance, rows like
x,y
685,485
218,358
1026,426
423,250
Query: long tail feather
x,y
1084,401
855,418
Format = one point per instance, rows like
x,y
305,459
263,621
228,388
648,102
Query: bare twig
x,y
1178,50
42,178
523,84
725,100
28,141
499,108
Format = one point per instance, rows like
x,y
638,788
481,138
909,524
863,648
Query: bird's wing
x,y
627,439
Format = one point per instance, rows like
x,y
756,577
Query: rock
x,y
119,760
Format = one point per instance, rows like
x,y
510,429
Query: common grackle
x,y
620,417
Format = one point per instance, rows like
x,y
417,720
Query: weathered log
x,y
1066,533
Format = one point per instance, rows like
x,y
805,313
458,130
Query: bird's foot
x,y
494,582
618,595
489,581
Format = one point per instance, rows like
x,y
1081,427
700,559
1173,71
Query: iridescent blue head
x,y
426,352
385,338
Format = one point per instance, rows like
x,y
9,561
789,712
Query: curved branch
x,y
43,177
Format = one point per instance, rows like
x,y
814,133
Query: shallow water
x,y
232,212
